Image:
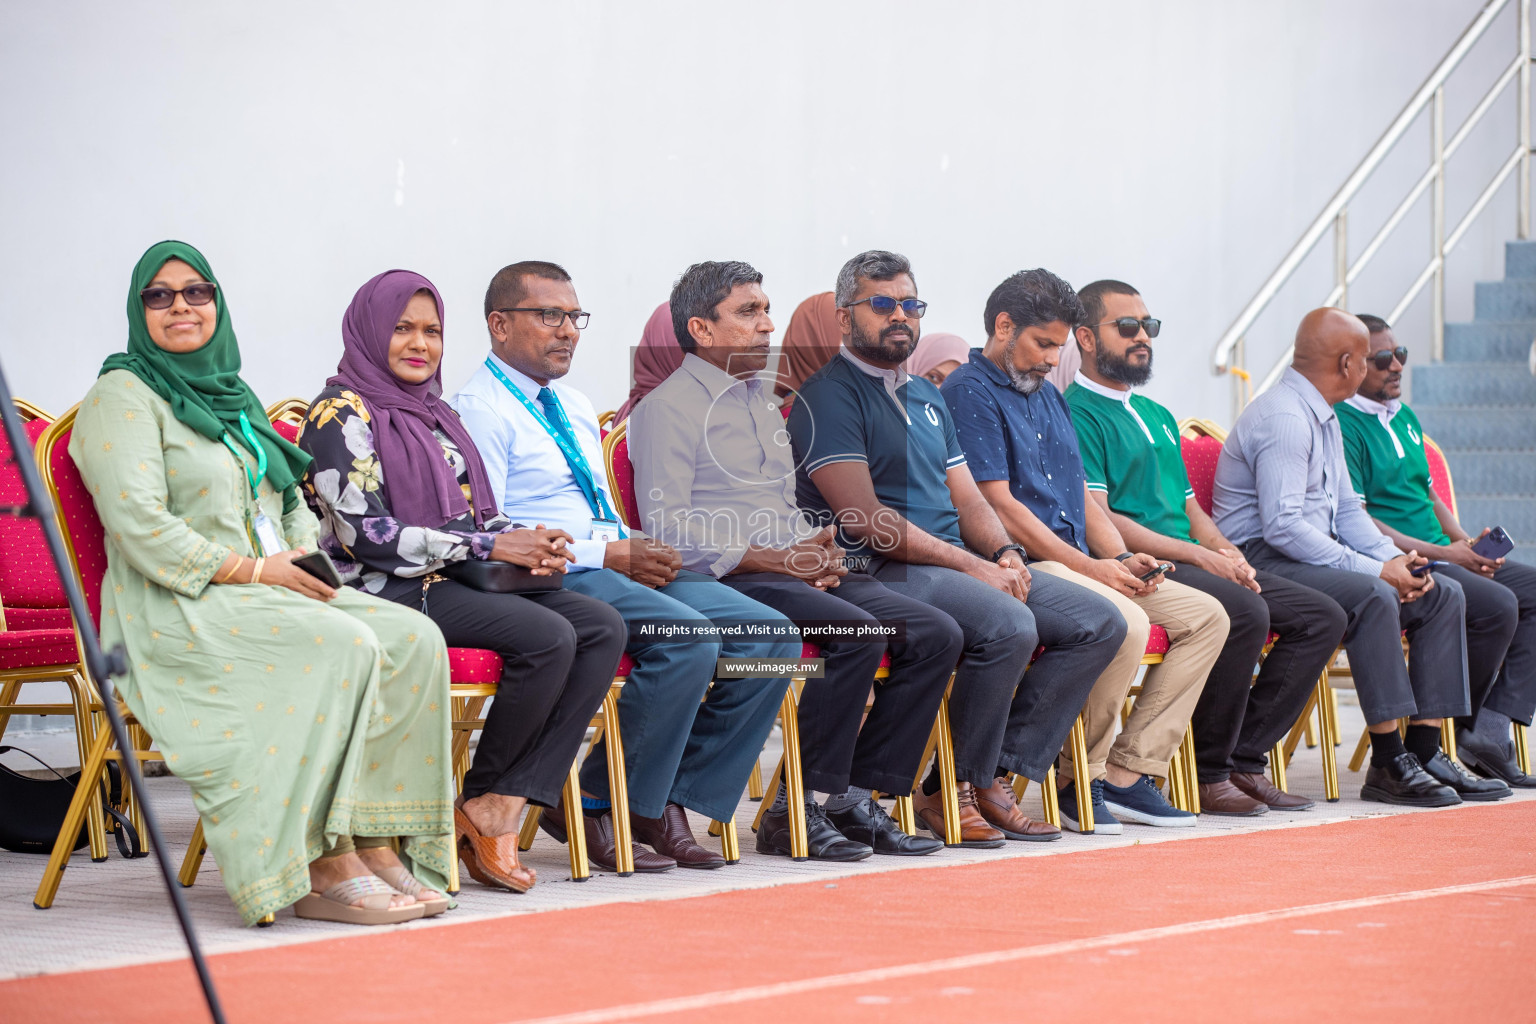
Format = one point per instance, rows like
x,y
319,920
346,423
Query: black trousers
x,y
1240,717
835,752
1434,683
559,650
1501,640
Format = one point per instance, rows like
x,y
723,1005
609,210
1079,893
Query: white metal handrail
x,y
1229,354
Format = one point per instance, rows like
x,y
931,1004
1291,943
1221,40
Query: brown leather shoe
x,y
1226,799
601,852
974,830
1001,810
672,837
1258,786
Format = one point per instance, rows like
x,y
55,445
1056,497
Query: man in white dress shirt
x,y
542,450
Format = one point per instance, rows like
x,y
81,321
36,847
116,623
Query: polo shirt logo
x,y
1413,433
1167,430
933,417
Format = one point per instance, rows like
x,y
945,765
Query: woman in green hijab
x,y
312,724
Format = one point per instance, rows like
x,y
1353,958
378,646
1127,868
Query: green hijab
x,y
203,386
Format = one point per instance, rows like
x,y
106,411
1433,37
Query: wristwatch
x,y
1122,556
1023,555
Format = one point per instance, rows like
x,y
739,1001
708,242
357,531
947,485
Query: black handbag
x,y
500,577
32,810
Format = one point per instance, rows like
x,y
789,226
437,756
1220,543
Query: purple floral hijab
x,y
422,488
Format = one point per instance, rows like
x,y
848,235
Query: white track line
x,y
727,997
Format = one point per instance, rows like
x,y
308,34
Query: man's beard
x,y
1022,381
1120,369
1381,392
883,348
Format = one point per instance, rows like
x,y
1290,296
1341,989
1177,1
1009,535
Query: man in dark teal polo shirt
x,y
1384,446
1135,467
876,453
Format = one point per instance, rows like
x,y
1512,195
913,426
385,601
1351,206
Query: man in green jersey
x,y
1135,467
1384,447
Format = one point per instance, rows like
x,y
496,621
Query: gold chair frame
x,y
29,411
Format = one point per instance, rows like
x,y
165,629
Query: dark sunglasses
x,y
1383,360
1129,326
199,294
552,317
885,306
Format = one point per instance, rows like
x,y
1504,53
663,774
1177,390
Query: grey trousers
x,y
1434,683
999,716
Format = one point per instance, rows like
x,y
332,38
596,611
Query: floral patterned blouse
x,y
345,487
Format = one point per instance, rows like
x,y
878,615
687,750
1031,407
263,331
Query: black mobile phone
x,y
319,565
1496,545
1427,567
1161,567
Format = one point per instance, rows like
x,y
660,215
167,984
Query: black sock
x,y
1384,747
1002,773
1422,741
931,783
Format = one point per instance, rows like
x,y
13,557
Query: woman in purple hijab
x,y
656,357
401,492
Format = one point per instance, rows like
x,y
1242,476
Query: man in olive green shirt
x,y
1135,469
1384,447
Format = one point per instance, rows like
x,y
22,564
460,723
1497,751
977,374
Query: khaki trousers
x,y
1197,629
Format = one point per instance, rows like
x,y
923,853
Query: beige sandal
x,y
405,882
336,903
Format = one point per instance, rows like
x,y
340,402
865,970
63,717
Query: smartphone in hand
x,y
1496,545
1161,567
1427,567
319,565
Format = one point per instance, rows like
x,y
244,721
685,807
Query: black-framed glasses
x,y
1129,326
1383,360
885,306
553,317
199,294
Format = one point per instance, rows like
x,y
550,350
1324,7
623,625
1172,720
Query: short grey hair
x,y
874,265
702,287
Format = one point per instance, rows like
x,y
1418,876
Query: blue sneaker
x,y
1104,823
1140,802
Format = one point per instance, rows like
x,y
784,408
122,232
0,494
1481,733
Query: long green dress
x,y
296,722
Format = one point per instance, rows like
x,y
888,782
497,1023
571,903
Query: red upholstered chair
x,y
84,541
1440,474
37,636
1201,442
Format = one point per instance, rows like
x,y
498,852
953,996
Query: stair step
x,y
1516,514
1473,384
1525,553
1505,300
1486,341
1479,426
1520,260
1492,472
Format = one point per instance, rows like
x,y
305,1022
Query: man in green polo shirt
x,y
1135,469
1384,446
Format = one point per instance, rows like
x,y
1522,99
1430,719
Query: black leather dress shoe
x,y
823,840
1466,785
1491,762
1406,782
867,822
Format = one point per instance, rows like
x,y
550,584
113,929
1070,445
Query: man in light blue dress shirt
x,y
715,478
1283,496
542,450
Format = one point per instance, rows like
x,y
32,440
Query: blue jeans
x,y
676,749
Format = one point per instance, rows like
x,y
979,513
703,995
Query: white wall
x,y
1181,145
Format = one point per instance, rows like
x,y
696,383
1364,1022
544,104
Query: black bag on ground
x,y
32,810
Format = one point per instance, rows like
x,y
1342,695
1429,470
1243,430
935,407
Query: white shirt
x,y
529,475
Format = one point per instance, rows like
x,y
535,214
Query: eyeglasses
x,y
1129,326
885,306
1383,359
553,317
199,294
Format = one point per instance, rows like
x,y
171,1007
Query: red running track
x,y
1438,920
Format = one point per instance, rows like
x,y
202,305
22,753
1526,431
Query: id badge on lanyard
x,y
606,530
265,540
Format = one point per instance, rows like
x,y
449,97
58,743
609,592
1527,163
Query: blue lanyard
x,y
563,438
257,449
